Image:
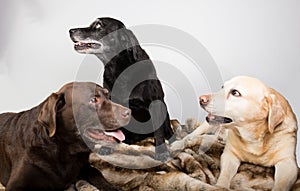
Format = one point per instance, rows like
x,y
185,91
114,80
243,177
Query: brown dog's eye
x,y
93,100
235,93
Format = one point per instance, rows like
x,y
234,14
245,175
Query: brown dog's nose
x,y
204,100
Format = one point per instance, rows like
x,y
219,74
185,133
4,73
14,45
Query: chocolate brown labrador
x,y
45,147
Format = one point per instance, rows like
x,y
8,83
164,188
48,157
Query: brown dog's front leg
x,y
95,177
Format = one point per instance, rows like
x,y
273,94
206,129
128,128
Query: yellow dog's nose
x,y
204,100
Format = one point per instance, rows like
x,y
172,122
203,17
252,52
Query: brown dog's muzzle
x,y
122,114
112,117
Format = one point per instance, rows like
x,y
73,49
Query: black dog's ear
x,y
131,43
47,115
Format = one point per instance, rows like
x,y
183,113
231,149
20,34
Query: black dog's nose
x,y
71,31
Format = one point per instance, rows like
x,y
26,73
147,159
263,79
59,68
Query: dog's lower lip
x,y
95,133
118,134
215,119
81,45
110,136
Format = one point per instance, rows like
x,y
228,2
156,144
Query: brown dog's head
x,y
83,108
244,101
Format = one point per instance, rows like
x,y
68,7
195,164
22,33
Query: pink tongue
x,y
116,134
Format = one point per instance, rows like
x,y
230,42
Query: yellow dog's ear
x,y
47,115
276,112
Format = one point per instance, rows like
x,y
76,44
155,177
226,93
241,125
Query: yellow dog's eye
x,y
235,93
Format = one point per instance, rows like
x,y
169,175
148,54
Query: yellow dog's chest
x,y
257,152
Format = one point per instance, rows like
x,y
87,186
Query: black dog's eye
x,y
97,26
235,93
94,100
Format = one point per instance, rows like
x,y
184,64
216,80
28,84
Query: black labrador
x,y
44,148
131,77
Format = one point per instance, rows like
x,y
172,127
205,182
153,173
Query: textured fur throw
x,y
194,164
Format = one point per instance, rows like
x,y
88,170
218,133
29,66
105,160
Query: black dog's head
x,y
104,36
84,108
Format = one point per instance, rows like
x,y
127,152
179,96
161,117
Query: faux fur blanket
x,y
194,164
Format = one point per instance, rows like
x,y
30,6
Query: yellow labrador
x,y
262,129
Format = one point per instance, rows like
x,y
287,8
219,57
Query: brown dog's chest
x,y
55,172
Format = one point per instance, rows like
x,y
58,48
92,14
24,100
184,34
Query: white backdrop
x,y
250,37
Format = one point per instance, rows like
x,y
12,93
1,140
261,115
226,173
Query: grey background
x,y
250,37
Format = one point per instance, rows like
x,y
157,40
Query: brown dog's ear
x,y
276,112
47,115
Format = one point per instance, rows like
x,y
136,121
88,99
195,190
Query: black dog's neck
x,y
121,64
126,57
104,58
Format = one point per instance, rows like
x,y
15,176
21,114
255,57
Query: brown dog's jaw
x,y
112,117
118,134
107,136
